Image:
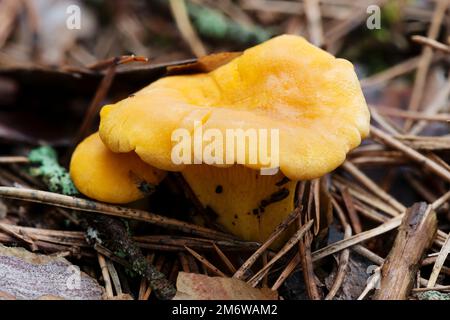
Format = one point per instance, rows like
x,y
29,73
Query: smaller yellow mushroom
x,y
111,177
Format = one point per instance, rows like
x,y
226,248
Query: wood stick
x,y
441,236
356,239
431,43
372,186
240,274
313,16
225,259
416,233
353,216
344,256
425,60
288,246
364,252
390,73
304,246
411,153
205,262
286,272
84,205
441,117
181,16
13,159
437,104
105,274
114,277
443,288
385,123
440,260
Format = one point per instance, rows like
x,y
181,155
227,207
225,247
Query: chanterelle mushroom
x,y
108,176
312,99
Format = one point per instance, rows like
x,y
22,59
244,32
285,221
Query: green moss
x,y
45,165
433,295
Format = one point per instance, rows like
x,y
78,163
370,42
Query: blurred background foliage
x,y
34,30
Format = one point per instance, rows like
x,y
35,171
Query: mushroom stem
x,y
243,201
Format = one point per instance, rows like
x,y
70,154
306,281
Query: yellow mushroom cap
x,y
312,98
111,177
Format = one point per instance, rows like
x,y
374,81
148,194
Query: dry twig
x,y
416,234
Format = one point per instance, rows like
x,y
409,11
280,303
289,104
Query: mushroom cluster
x,y
312,99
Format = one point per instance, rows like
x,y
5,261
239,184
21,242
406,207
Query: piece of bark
x,y
30,276
416,233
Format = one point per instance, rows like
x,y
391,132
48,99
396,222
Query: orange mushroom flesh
x,y
313,99
111,177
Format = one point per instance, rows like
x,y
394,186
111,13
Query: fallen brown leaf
x,y
192,286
